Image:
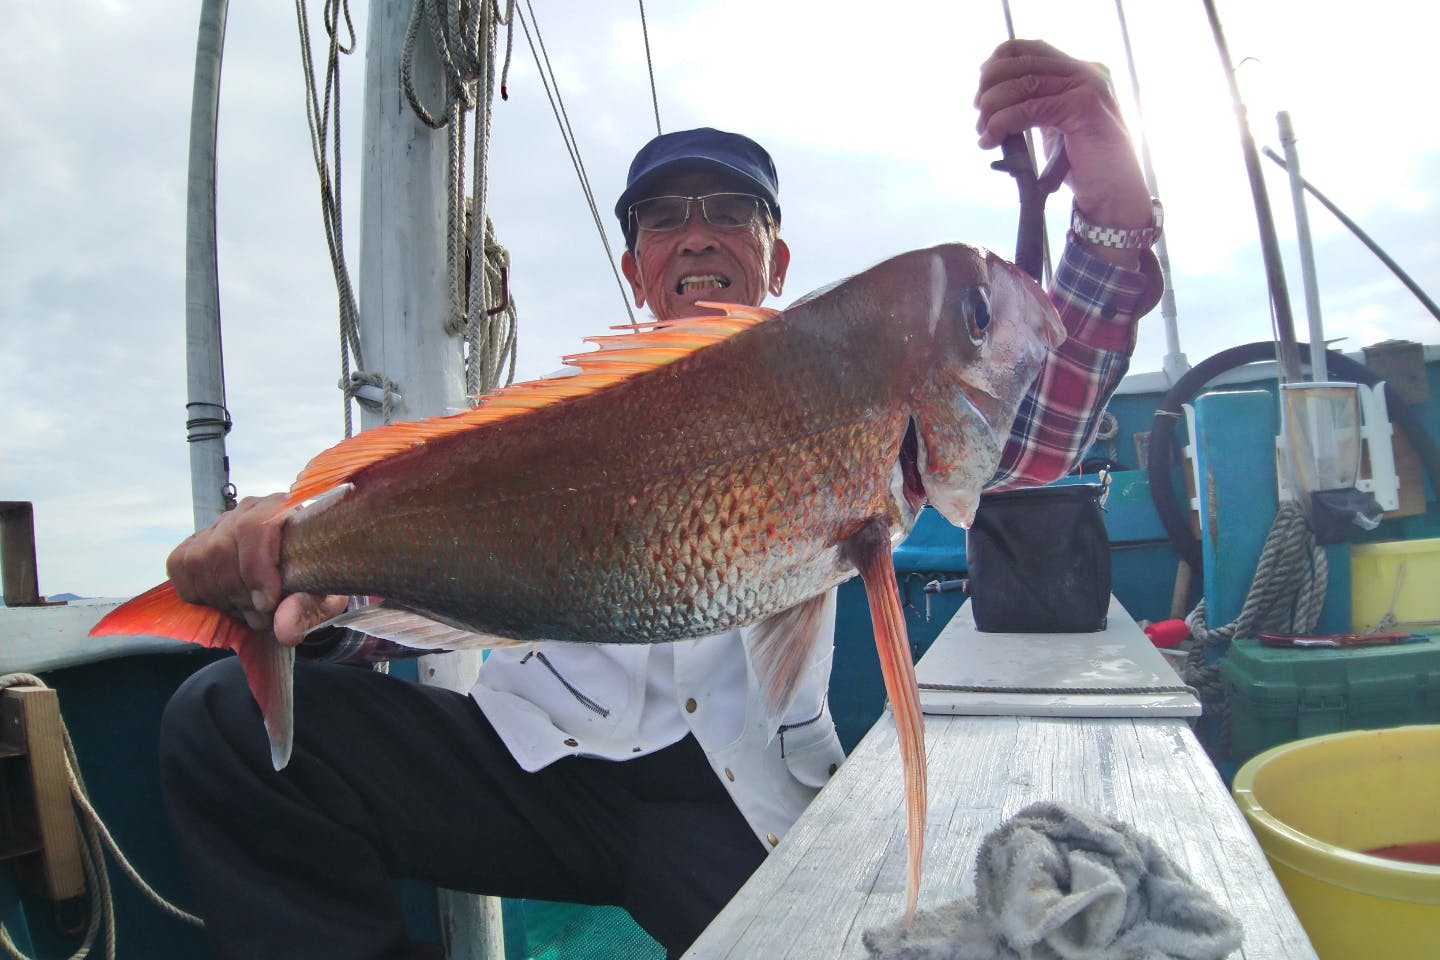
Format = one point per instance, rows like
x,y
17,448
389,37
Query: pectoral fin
x,y
869,550
270,671
782,649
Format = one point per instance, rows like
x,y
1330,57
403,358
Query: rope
x,y
489,326
649,64
465,34
356,379
98,840
1389,621
317,115
1289,585
1107,430
1285,597
557,107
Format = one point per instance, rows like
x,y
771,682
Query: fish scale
x,y
696,550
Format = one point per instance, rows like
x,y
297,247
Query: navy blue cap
x,y
704,148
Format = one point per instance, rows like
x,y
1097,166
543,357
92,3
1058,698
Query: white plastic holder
x,y
1383,483
1188,451
1380,481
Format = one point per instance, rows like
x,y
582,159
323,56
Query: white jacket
x,y
554,700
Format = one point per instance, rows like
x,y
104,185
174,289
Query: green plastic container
x,y
1276,695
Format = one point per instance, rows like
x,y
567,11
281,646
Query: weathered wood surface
x,y
1115,672
841,869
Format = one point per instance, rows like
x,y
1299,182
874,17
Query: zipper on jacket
x,y
574,692
802,723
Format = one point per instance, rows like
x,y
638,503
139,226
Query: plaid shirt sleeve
x,y
1099,304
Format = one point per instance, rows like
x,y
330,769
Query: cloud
x,y
868,116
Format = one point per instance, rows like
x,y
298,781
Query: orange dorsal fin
x,y
619,358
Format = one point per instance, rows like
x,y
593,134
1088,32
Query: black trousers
x,y
393,779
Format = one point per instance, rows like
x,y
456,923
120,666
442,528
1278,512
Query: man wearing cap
x,y
647,776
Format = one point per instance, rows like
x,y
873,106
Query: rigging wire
x,y
317,115
650,65
567,133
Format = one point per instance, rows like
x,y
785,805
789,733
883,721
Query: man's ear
x,y
631,269
779,264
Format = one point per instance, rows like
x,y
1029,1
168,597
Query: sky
x,y
865,107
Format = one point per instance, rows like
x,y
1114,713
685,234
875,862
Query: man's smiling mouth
x,y
703,281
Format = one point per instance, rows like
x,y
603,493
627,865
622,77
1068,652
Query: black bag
x,y
1040,561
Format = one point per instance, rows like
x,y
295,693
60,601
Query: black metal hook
x,y
1030,238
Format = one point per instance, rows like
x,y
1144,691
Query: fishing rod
x,y
1174,363
1287,352
1032,253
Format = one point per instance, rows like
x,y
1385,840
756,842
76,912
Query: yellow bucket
x,y
1316,804
1395,577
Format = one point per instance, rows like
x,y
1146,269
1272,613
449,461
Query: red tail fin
x,y
160,612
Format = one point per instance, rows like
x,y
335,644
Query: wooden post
x,y
17,553
31,733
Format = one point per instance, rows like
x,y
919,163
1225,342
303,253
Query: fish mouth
x,y
913,487
701,281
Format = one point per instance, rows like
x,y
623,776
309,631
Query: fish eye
x,y
976,308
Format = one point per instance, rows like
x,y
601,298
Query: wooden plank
x,y
841,869
1115,672
36,710
17,553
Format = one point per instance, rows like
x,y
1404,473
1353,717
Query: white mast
x,y
1319,369
404,296
206,419
404,301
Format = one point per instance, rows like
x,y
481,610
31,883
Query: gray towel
x,y
1059,883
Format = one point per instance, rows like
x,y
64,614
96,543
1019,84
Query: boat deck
x,y
841,869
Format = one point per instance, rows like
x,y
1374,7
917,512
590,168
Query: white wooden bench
x,y
841,869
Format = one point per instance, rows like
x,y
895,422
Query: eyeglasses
x,y
728,211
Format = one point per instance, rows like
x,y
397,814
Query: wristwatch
x,y
1142,238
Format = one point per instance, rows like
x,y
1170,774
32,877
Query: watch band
x,y
1142,238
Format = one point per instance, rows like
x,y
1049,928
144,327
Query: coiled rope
x,y
1285,597
464,35
97,841
1289,586
482,308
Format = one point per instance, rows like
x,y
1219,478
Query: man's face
x,y
672,270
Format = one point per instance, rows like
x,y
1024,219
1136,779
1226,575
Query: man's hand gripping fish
x,y
694,477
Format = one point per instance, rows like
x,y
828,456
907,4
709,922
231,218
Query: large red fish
x,y
694,477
